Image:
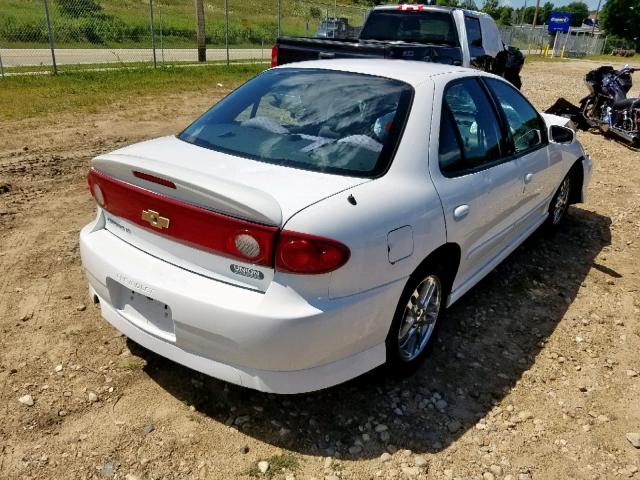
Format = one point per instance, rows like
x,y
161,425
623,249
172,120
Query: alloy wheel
x,y
419,318
562,200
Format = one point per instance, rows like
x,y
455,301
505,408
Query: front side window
x,y
524,123
477,128
321,120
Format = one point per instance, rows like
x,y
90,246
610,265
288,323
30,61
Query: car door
x,y
476,177
527,132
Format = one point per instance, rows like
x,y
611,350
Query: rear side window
x,y
449,153
320,120
474,33
525,125
476,126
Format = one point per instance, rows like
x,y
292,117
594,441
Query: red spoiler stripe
x,y
182,221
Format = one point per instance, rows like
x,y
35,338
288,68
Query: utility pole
x,y
200,35
535,15
226,28
595,20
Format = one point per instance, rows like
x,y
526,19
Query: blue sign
x,y
559,22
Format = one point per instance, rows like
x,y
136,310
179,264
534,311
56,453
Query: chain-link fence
x,y
101,33
528,39
69,33
578,42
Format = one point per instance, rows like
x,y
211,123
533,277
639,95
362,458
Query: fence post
x,y
51,45
566,39
161,38
153,36
226,28
1,67
279,15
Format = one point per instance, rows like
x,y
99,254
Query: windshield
x,y
320,120
421,27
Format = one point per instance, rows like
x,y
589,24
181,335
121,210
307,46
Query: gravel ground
x,y
535,374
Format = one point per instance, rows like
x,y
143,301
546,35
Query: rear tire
x,y
416,322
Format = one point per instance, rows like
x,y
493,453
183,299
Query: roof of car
x,y
409,71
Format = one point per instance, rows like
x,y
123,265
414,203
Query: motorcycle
x,y
607,106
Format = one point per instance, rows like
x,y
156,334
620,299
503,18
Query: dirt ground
x,y
535,375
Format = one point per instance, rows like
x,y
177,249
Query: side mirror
x,y
562,135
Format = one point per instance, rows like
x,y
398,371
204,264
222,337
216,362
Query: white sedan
x,y
316,222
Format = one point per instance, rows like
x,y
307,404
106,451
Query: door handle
x,y
460,212
528,177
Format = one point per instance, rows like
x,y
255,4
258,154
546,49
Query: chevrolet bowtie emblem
x,y
155,219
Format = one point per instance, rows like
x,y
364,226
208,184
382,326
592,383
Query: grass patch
x,y
133,363
71,332
277,465
126,22
86,91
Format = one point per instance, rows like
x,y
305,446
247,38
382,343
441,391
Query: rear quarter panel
x,y
404,196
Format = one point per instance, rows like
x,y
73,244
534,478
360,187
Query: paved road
x,y
79,56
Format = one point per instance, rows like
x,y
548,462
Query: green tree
x,y
315,12
448,3
545,12
468,4
526,14
492,8
505,15
622,18
79,8
578,10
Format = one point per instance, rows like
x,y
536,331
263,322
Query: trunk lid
x,y
217,193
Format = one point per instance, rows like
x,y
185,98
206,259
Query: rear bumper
x,y
275,341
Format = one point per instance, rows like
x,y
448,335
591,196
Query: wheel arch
x,y
446,258
576,173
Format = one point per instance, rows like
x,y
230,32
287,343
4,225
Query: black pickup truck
x,y
415,32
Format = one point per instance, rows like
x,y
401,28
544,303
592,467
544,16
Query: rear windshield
x,y
320,120
410,26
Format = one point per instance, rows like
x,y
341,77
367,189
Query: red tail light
x,y
196,226
411,8
274,56
308,254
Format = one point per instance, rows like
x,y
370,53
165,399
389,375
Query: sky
x,y
519,3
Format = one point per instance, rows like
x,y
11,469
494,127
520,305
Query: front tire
x,y
559,204
415,323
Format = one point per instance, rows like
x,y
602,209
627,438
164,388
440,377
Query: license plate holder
x,y
145,312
